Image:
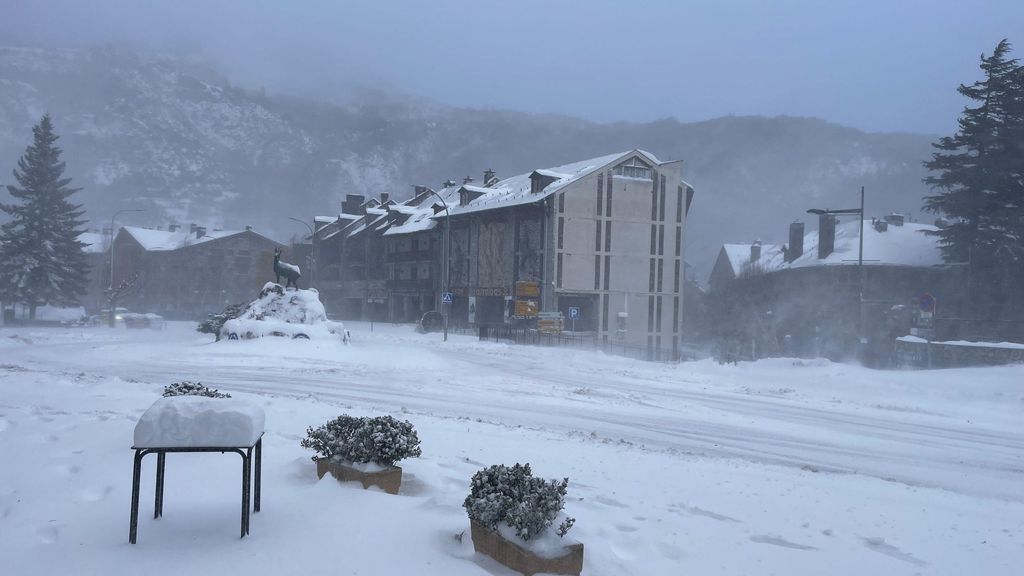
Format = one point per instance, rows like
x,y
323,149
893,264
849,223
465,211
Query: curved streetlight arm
x,y
312,249
446,265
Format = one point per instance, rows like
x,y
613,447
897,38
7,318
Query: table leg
x,y
259,475
136,474
158,500
246,472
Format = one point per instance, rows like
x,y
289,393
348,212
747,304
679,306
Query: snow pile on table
x,y
279,312
191,421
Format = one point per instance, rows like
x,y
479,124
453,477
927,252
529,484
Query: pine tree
x,y
978,177
43,260
973,165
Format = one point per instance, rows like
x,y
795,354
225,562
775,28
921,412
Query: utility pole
x,y
445,261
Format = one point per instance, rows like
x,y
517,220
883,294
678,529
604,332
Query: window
x,y
634,168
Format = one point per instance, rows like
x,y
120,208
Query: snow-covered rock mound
x,y
289,313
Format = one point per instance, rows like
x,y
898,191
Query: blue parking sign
x,y
574,312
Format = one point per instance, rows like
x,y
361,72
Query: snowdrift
x,y
286,313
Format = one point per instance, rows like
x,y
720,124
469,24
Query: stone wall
x,y
917,353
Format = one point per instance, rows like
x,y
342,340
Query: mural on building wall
x,y
528,256
491,255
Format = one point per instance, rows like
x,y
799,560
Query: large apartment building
x,y
600,241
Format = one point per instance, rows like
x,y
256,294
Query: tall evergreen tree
x,y
973,175
43,262
978,177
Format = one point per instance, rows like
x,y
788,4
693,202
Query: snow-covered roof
x,y
739,255
517,190
162,240
93,242
906,245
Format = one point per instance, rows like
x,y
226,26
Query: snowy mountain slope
x,y
172,136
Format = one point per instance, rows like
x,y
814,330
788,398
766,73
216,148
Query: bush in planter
x,y
529,505
382,440
188,388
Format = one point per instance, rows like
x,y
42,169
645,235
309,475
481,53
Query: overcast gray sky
x,y
873,64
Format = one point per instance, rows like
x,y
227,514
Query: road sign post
x,y
574,313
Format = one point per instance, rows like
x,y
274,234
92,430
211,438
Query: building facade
x,y
186,275
597,243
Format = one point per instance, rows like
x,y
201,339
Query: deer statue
x,y
290,272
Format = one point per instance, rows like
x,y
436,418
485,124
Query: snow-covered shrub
x,y
382,440
214,322
188,388
512,496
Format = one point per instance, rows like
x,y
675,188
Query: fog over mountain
x,y
173,136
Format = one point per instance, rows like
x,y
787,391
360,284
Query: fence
x,y
577,340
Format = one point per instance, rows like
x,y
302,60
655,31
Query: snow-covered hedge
x,y
512,496
188,388
214,322
381,440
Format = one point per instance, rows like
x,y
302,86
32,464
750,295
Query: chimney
x,y
796,241
192,228
383,198
755,251
488,176
172,227
353,204
895,219
200,232
467,180
826,235
248,228
448,183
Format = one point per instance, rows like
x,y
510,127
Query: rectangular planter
x,y
389,480
511,554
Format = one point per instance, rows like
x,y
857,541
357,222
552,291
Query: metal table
x,y
248,454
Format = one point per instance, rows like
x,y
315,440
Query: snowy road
x,y
785,466
705,410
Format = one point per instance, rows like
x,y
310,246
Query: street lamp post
x,y
860,257
312,251
446,259
122,211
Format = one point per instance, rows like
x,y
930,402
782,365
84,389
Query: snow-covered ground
x,y
773,467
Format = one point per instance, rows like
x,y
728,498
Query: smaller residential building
x,y
810,297
186,274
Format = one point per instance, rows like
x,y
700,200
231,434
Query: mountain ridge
x,y
174,137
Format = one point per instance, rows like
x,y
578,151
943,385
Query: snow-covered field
x,y
775,467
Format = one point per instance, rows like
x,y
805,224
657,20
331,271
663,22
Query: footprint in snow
x,y
879,545
95,494
777,541
697,511
609,502
48,534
